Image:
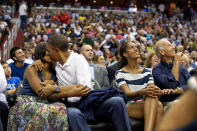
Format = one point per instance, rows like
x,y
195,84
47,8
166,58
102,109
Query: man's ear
x,y
14,58
161,52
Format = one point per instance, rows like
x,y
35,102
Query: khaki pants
x,y
168,105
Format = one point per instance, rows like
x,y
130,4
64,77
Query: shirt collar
x,y
168,65
68,62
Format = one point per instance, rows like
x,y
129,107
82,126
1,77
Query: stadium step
x,y
19,39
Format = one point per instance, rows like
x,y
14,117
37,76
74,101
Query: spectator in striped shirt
x,y
137,84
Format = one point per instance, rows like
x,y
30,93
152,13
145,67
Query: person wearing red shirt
x,y
64,17
55,16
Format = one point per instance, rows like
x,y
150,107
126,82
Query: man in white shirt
x,y
161,7
23,15
72,69
3,102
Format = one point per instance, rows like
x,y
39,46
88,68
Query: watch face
x,y
57,89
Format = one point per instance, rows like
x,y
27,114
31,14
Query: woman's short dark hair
x,y
40,51
58,41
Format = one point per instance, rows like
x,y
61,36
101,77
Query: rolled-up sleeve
x,y
3,82
163,79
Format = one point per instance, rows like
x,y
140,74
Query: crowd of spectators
x,y
152,46
106,31
5,21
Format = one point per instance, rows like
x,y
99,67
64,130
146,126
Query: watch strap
x,y
57,90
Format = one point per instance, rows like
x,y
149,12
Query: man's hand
x,y
78,90
156,90
153,91
178,91
51,82
38,65
168,91
148,92
178,56
46,90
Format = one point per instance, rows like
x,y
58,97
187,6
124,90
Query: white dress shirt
x,y
74,71
3,84
91,68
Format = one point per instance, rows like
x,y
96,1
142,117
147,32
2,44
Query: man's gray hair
x,y
159,46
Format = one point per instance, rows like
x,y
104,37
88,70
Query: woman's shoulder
x,y
30,70
121,71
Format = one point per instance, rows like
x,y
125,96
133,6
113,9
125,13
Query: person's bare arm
x,y
150,91
175,68
65,91
181,114
32,77
128,93
48,90
11,91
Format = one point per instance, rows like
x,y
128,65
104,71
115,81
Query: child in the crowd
x,y
12,82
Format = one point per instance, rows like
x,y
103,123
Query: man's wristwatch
x,y
57,90
192,84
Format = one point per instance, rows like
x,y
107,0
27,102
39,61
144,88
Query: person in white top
x,y
161,7
3,102
72,69
23,15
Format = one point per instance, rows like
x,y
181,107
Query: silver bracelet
x,y
192,84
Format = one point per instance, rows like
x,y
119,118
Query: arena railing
x,y
8,43
87,10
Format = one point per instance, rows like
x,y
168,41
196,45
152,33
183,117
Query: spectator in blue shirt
x,y
19,66
12,82
169,74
